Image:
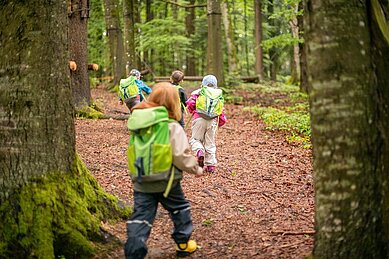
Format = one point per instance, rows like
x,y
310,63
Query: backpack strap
x,y
170,183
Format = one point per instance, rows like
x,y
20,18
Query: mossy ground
x,y
57,215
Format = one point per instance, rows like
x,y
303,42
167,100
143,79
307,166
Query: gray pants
x,y
203,137
131,102
145,209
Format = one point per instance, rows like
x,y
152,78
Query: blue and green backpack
x,y
128,88
210,102
149,151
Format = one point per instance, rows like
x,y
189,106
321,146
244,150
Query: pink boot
x,y
210,169
200,157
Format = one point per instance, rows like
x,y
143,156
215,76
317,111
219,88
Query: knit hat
x,y
209,80
135,72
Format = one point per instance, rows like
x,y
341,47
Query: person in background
x,y
204,128
176,79
125,89
147,195
142,86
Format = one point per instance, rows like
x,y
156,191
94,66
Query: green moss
x,y
88,113
57,215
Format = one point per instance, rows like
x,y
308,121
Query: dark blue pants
x,y
145,209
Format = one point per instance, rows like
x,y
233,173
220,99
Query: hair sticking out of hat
x,y
135,72
210,81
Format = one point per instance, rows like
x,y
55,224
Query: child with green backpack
x,y
158,153
207,108
131,89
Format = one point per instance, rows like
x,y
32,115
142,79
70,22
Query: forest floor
x,y
258,204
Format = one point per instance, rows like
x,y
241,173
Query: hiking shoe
x,y
186,249
210,169
200,157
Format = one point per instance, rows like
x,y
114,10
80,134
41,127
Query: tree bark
x,y
190,30
302,48
214,50
273,54
129,35
229,34
50,205
115,40
148,55
347,68
258,39
295,57
78,34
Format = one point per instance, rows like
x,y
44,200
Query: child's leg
x,y
179,209
139,225
210,144
199,127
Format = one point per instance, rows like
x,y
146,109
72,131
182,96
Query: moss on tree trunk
x,y
58,214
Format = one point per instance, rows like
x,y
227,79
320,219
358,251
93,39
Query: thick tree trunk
x,y
229,34
36,108
347,68
214,50
50,206
258,39
115,40
78,20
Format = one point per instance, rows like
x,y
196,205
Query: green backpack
x,y
150,152
210,103
128,88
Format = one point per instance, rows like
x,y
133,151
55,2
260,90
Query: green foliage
x,y
233,99
159,34
290,115
207,222
98,52
57,214
276,119
280,41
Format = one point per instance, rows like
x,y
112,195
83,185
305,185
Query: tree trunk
x,y
258,39
246,47
214,50
50,206
148,55
129,35
273,54
229,33
303,55
295,57
115,40
136,6
78,34
190,31
348,82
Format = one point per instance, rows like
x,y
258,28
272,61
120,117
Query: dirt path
x,y
258,204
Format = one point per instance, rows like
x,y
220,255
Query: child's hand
x,y
199,172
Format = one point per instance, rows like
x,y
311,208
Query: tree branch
x,y
184,6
